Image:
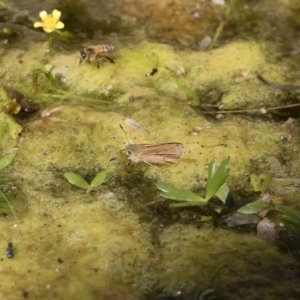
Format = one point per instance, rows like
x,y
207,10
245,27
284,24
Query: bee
x,y
96,53
10,253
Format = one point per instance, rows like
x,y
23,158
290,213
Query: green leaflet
x,y
216,177
98,180
80,182
222,192
6,160
188,204
215,186
260,182
254,207
76,180
170,192
289,214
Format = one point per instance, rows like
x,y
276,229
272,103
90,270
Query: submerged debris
x,y
134,125
289,240
267,230
45,113
10,107
10,253
153,72
241,219
23,102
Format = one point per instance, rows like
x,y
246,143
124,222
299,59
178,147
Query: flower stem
x,y
50,39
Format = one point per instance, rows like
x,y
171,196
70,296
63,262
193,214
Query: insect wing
x,y
160,153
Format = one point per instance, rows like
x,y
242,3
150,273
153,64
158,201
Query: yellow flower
x,y
50,22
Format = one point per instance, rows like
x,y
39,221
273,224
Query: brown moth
x,y
153,153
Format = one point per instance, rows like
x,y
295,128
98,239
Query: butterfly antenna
x,y
124,132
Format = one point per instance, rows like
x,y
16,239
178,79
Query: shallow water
x,y
123,240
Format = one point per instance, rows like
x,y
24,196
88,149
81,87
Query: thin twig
x,y
254,110
279,86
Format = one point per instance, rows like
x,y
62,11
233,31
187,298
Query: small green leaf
x,y
211,169
76,180
223,192
217,179
254,207
290,219
289,214
188,204
99,179
173,193
6,160
287,210
260,182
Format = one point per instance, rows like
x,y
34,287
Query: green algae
x,y
105,241
105,248
8,124
75,245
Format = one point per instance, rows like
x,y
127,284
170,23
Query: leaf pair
x,y
171,192
215,187
216,179
80,182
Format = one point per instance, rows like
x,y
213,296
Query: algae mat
x,y
111,244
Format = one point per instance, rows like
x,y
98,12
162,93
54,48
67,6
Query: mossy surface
x,y
121,241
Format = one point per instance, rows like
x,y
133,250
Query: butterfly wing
x,y
160,153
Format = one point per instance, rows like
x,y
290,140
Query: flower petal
x,y
38,24
56,14
59,25
43,14
48,29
